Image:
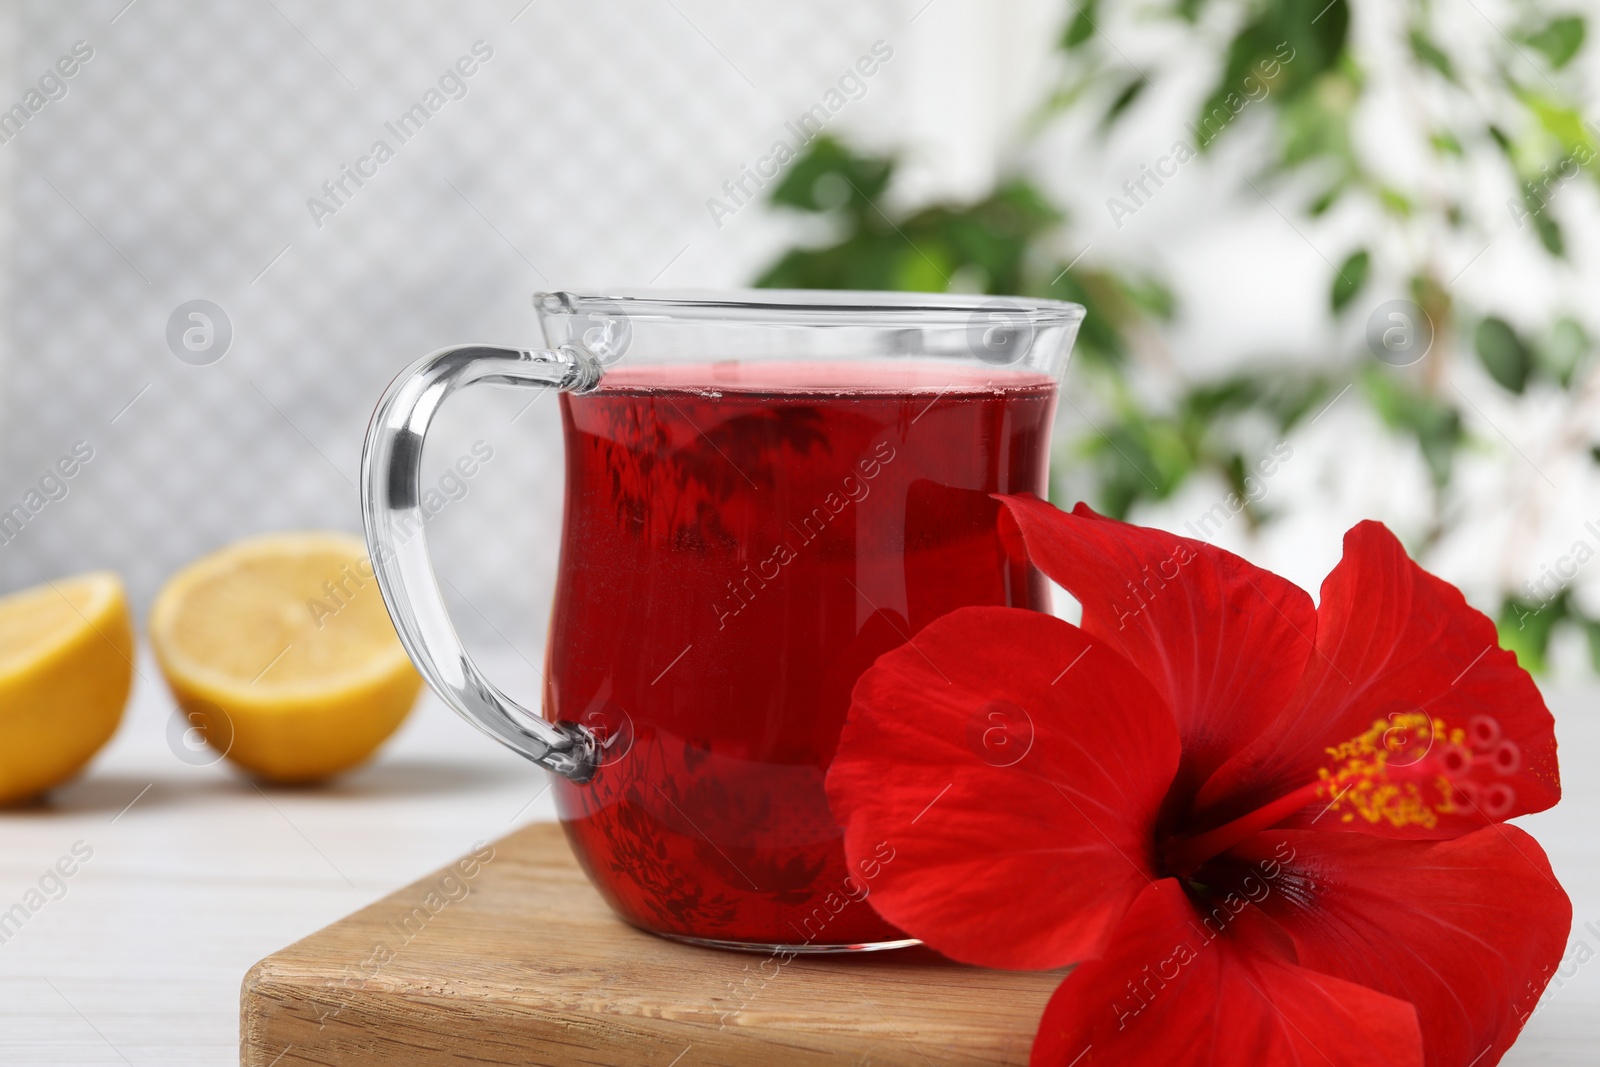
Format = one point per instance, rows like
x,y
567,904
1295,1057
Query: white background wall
x,y
179,166
180,162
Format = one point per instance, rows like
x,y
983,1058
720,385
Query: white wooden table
x,y
139,962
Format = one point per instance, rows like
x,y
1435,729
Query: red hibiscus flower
x,y
1268,832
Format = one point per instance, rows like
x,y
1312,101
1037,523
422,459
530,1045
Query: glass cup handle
x,y
391,507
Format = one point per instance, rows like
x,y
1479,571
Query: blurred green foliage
x,y
998,245
918,252
1501,100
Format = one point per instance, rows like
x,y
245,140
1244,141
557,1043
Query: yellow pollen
x,y
1393,772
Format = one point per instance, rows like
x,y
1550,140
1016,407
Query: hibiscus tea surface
x,y
742,540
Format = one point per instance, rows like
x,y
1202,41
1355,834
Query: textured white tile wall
x,y
179,165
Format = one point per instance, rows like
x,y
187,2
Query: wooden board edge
x,y
294,1021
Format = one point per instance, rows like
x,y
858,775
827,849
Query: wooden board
x,y
511,957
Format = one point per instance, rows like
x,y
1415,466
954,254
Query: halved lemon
x,y
282,656
66,665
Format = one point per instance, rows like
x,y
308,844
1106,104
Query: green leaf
x,y
1151,296
1564,350
1561,120
1274,60
1100,337
1062,98
1430,54
829,167
1124,99
1435,425
1137,457
1560,40
861,262
1525,629
1285,395
1395,201
1544,223
989,243
1322,203
1549,231
1081,26
1446,143
923,269
1504,355
1352,275
1324,29
1591,627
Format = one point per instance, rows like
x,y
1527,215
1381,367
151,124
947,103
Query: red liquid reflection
x,y
735,554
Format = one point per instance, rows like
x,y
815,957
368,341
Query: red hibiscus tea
x,y
742,540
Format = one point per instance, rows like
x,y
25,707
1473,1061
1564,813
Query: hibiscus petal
x,y
1469,930
1395,645
1004,819
1168,993
1223,641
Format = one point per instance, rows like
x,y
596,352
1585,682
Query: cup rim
x,y
855,307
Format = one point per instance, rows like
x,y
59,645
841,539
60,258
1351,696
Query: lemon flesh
x,y
66,666
281,653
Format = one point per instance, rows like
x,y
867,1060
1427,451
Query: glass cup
x,y
764,493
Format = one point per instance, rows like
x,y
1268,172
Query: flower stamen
x,y
1406,770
